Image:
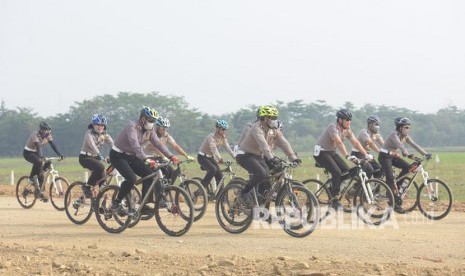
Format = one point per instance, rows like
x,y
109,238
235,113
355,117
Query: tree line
x,y
303,122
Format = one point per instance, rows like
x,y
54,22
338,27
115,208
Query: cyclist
x,y
370,138
33,153
325,151
209,156
161,125
256,148
131,161
90,156
389,155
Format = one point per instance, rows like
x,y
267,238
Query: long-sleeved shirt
x,y
133,136
93,141
395,141
212,143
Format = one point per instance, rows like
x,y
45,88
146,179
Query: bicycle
x,y
193,187
80,200
214,188
296,207
372,199
433,196
172,204
28,192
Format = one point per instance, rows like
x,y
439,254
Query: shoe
x,y
197,193
43,198
87,192
147,211
245,201
162,204
77,203
335,204
398,209
116,208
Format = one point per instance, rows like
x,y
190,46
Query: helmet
x,y
373,120
99,119
44,126
222,124
344,114
402,121
163,122
268,110
149,113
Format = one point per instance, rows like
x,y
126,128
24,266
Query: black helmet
x,y
402,121
373,120
44,126
344,114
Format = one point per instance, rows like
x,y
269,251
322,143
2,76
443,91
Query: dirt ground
x,y
42,241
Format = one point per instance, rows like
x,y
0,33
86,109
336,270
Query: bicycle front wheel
x,y
174,211
434,199
26,193
298,211
78,208
112,222
57,192
233,215
374,202
198,195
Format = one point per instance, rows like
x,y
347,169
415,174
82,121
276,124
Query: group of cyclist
x,y
143,141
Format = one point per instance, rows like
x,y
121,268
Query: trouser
x,y
258,172
387,161
130,166
213,169
37,164
335,165
371,167
95,166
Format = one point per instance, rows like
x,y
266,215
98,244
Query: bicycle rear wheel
x,y
231,214
198,195
298,211
322,194
111,222
174,211
57,192
434,199
26,193
409,197
375,204
78,208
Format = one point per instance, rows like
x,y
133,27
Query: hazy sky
x,y
225,55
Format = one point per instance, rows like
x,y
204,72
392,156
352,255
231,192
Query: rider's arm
x,y
228,148
285,146
357,145
54,147
415,146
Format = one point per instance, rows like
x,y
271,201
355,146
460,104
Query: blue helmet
x,y
163,122
150,113
222,124
99,119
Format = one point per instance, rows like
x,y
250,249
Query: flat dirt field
x,y
42,241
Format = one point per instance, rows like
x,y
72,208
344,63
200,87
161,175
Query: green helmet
x,y
267,111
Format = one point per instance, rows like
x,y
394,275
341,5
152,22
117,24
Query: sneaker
x,y
245,201
335,204
147,211
398,209
162,204
77,203
87,191
116,208
197,193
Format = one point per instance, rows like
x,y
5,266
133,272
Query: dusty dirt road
x,y
42,241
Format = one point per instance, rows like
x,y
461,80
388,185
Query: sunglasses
x,y
223,129
406,127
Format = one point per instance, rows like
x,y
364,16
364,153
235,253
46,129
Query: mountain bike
x,y
432,196
296,207
174,210
27,192
372,199
80,200
214,188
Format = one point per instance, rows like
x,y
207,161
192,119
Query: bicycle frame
x,y
51,173
413,175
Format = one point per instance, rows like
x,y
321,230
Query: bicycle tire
x,y
348,198
439,206
409,199
231,216
198,195
57,196
179,210
382,202
322,193
78,208
136,199
300,201
111,222
26,191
